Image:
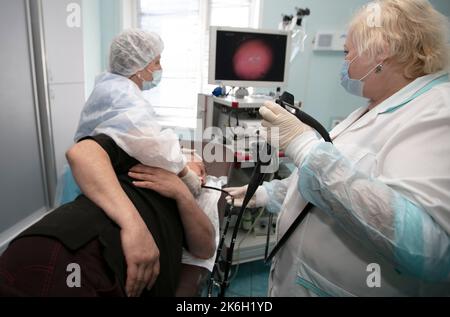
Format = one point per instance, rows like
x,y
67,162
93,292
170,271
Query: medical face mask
x,y
354,86
157,76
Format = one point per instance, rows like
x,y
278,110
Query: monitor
x,y
248,57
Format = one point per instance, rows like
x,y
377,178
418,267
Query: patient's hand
x,y
161,181
142,257
198,228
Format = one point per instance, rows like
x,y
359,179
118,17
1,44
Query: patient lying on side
x,y
37,262
207,199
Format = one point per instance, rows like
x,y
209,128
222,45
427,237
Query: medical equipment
x,y
330,41
212,282
219,91
297,28
287,102
241,57
290,22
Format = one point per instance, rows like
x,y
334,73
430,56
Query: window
x,y
184,28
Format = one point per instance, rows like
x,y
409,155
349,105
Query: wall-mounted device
x,y
290,22
330,41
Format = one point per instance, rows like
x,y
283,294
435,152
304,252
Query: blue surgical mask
x,y
353,86
157,76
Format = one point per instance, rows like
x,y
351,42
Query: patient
x,y
131,237
207,200
118,109
36,262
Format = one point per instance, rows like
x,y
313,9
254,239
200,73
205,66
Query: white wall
x,y
64,54
92,43
102,20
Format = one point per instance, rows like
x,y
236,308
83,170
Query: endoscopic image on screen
x,y
250,56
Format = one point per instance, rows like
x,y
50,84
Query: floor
x,y
250,280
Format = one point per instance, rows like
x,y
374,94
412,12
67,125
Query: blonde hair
x,y
411,32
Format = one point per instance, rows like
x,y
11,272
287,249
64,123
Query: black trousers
x,y
42,267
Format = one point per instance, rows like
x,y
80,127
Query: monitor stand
x,y
241,93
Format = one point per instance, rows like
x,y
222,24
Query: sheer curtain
x,y
184,28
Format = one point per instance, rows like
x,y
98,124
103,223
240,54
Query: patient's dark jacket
x,y
77,223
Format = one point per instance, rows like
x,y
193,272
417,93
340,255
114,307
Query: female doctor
x,y
381,191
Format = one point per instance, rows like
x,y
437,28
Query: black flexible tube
x,y
218,189
307,119
313,123
221,242
286,101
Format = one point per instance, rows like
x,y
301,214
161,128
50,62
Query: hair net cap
x,y
132,50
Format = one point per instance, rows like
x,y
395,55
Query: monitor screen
x,y
248,58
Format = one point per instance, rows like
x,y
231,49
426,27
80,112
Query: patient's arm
x,y
92,168
94,173
199,231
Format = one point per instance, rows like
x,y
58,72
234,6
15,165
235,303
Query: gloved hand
x,y
259,199
193,182
289,127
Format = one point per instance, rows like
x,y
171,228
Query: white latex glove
x,y
289,127
259,199
193,182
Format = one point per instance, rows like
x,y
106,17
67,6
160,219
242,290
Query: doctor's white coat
x,y
382,224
